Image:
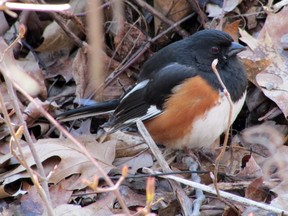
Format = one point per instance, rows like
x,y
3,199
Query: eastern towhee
x,y
178,96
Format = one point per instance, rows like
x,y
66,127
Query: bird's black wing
x,y
146,99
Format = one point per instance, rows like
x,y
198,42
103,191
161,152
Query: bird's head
x,y
208,45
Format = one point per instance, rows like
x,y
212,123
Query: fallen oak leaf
x,y
267,54
73,161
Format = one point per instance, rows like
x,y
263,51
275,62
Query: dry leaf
x,y
103,205
61,66
215,10
173,10
71,210
135,163
55,38
251,170
4,26
131,198
32,112
10,67
85,86
73,161
128,40
267,49
256,191
282,197
232,29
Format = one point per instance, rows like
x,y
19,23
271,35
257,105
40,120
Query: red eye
x,y
215,50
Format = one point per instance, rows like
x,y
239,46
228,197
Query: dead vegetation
x,y
53,59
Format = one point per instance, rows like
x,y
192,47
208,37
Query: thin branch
x,y
6,71
35,7
95,37
227,95
202,16
224,194
14,139
182,197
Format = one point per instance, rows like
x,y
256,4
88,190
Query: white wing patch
x,y
140,85
152,112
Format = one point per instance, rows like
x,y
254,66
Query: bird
x,y
178,96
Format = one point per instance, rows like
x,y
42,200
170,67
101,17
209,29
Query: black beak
x,y
234,49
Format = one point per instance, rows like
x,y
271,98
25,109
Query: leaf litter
x,y
253,166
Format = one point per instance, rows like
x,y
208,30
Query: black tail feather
x,y
91,110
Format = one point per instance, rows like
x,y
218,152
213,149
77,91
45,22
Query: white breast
x,y
208,128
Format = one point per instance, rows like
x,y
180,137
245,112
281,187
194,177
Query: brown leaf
x,y
232,29
256,191
136,162
85,86
31,67
31,201
60,66
128,40
276,164
102,206
59,194
55,38
10,67
272,76
127,144
251,171
173,10
32,112
73,161
131,198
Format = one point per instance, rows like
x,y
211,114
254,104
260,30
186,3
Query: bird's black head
x,y
208,45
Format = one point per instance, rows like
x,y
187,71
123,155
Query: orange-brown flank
x,y
191,99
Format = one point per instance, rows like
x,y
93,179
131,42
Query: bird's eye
x,y
215,50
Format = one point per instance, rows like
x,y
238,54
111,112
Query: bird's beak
x,y
234,49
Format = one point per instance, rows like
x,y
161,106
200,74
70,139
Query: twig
x,y
227,95
182,197
117,10
94,185
34,7
95,56
43,193
202,16
224,194
7,76
146,6
154,148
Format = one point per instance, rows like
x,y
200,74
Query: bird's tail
x,y
98,108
